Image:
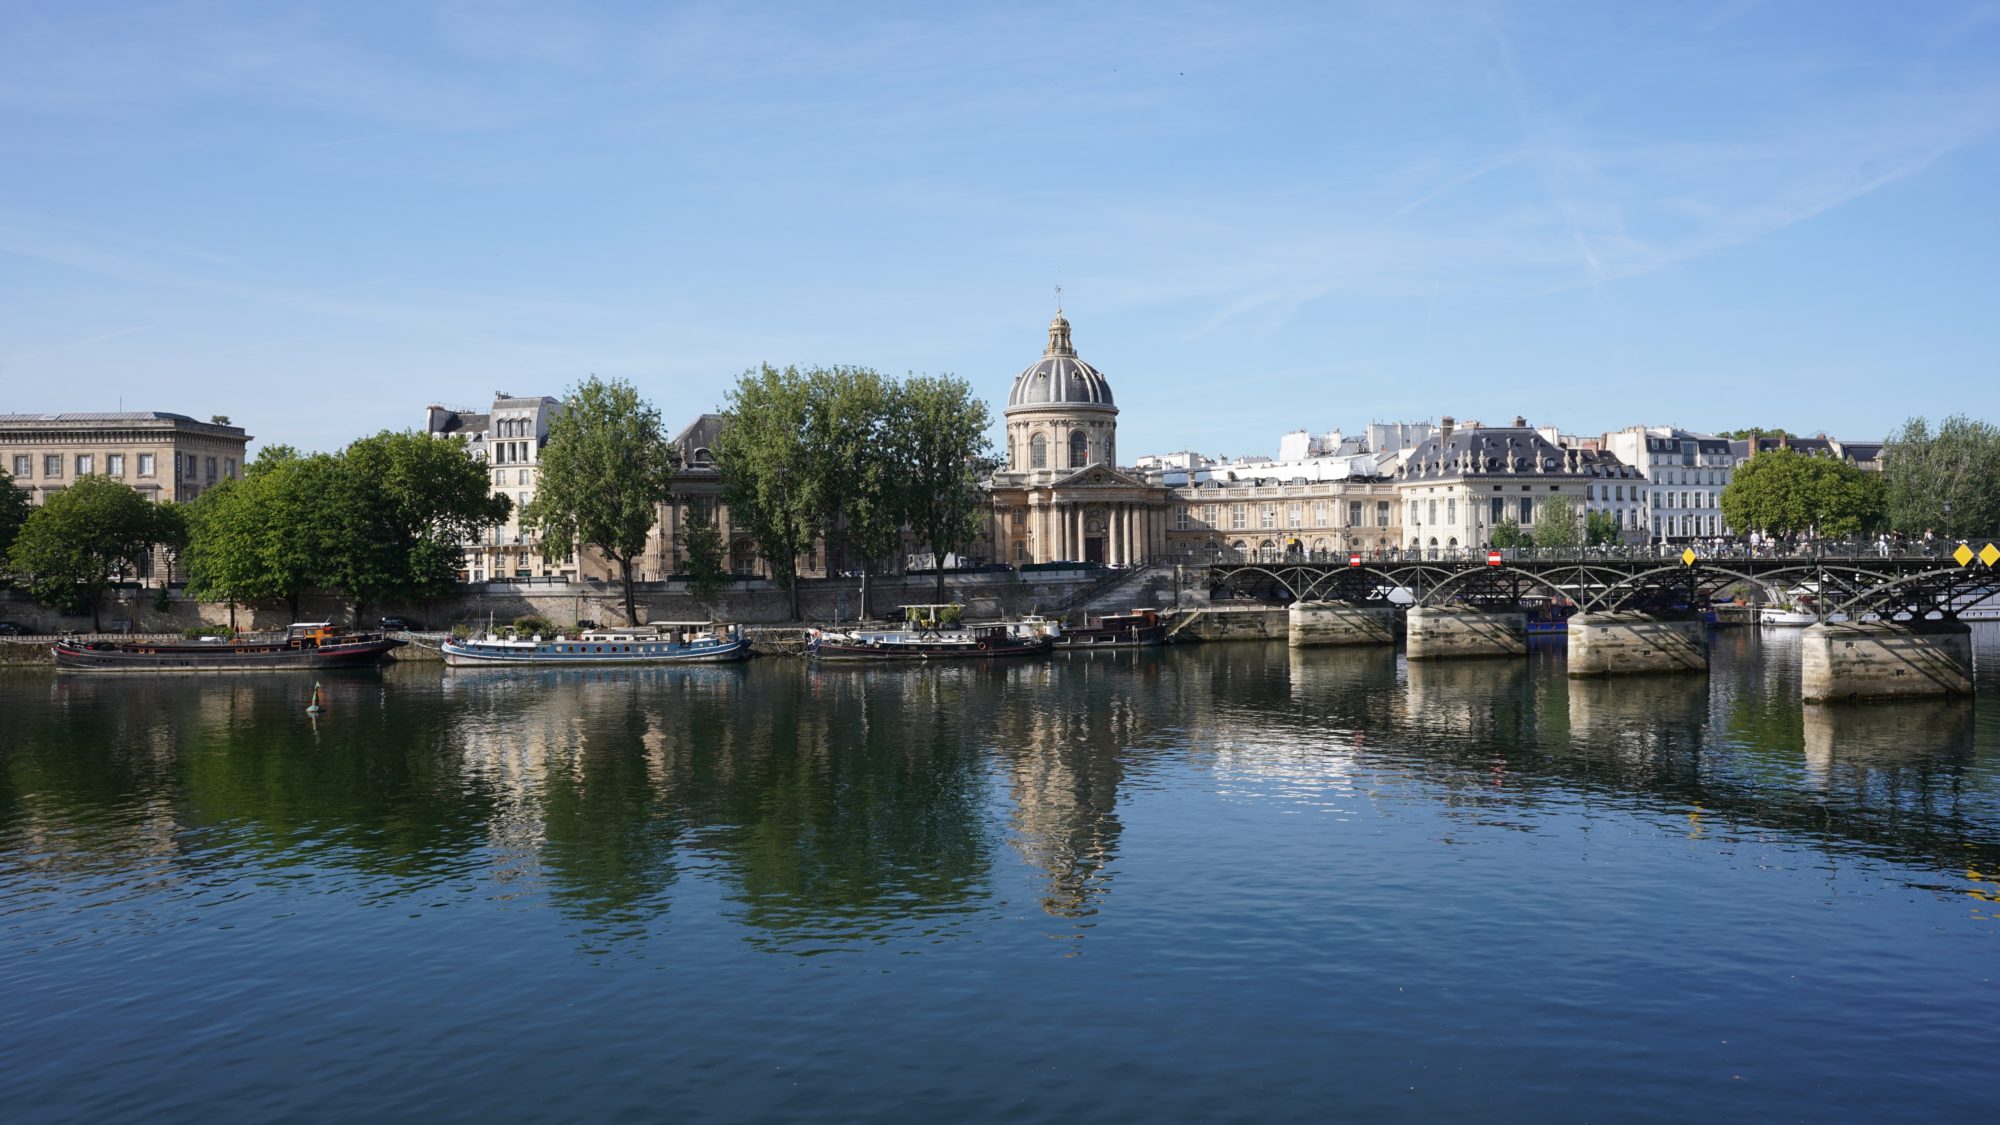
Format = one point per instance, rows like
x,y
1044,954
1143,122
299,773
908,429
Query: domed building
x,y
1061,496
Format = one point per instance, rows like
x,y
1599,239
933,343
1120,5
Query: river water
x,y
1229,882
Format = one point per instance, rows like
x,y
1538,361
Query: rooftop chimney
x,y
1520,423
1444,428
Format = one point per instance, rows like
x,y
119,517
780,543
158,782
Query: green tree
x,y
14,508
1557,525
1510,533
1958,464
427,496
606,469
1752,433
1599,528
702,541
69,548
1786,492
855,448
768,472
942,440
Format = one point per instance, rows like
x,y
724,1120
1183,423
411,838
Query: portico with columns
x,y
1061,497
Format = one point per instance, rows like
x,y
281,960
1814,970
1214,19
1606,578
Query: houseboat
x,y
664,642
306,646
929,632
1139,628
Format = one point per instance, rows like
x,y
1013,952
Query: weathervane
x,y
1058,300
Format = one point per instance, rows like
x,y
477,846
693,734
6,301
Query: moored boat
x,y
310,645
666,642
930,632
1139,628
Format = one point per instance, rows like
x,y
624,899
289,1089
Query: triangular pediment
x,y
1098,476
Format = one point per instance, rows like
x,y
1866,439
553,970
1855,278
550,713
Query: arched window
x,y
1038,452
1079,450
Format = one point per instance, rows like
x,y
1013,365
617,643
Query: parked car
x,y
10,629
401,625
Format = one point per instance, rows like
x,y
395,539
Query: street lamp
x,y
1947,521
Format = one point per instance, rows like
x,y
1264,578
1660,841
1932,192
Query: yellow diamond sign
x,y
1687,556
1963,555
1989,554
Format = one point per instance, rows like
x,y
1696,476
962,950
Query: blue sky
x,y
319,218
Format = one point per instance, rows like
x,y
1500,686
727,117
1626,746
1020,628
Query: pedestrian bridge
x,y
1829,584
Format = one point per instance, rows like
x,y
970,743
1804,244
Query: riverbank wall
x,y
823,601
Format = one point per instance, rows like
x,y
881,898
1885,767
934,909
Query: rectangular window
x,y
1208,516
1181,518
1431,513
52,465
85,464
1381,513
1298,514
1354,513
1451,512
114,464
1237,519
145,464
211,470
1618,491
1319,514
1499,509
229,467
520,476
1019,517
1267,516
1527,510
23,466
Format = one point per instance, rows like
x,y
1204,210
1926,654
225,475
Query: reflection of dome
x,y
1059,377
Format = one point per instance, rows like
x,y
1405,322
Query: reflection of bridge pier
x,y
1843,743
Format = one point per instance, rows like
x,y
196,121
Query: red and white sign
x,y
1492,558
1354,560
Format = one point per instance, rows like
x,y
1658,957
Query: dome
x,y
1059,377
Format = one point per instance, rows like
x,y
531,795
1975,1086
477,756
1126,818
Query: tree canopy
x,y
1958,463
604,473
943,442
768,468
14,508
70,549
1557,525
1787,492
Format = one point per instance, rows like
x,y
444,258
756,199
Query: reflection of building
x,y
163,456
1065,780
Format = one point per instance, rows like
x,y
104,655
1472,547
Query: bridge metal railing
x,y
1938,552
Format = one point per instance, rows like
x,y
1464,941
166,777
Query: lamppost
x,y
1947,521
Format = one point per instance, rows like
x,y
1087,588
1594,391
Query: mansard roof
x,y
1504,450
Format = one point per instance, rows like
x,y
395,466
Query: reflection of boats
x,y
1136,629
930,632
315,645
668,642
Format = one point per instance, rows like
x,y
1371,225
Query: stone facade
x,y
1458,485
166,457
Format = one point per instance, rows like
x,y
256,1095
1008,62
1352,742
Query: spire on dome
x,y
1059,337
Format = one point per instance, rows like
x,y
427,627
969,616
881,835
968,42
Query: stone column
x,y
1613,644
1116,532
1433,632
1879,660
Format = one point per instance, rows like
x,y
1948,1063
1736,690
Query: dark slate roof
x,y
1504,450
699,435
456,423
1059,377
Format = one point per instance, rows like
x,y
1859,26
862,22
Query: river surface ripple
x,y
1232,882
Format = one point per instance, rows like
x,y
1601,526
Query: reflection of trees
x,y
142,762
844,801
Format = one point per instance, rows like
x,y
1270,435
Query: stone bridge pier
x,y
1444,632
1881,660
1624,643
1337,623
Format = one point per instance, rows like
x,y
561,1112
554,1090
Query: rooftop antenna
x,y
1058,300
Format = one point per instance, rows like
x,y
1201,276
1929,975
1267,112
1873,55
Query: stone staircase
x,y
1120,590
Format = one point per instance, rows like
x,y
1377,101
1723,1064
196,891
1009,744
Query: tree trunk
x,y
867,568
96,597
793,584
631,609
292,600
937,560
